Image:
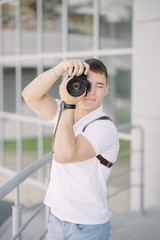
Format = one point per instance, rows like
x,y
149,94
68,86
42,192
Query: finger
x,y
66,80
81,68
70,69
73,68
76,68
87,67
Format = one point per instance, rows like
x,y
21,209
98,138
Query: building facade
x,y
37,34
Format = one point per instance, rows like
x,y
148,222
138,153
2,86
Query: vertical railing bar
x,y
17,196
47,210
142,170
16,215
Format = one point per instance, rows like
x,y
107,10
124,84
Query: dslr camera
x,y
78,85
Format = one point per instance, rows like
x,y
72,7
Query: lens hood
x,y
78,85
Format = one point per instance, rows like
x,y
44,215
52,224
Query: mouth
x,y
89,99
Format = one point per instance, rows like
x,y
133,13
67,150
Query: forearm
x,y
65,141
41,84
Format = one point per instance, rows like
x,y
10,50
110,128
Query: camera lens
x,y
76,87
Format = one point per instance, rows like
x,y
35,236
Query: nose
x,y
92,91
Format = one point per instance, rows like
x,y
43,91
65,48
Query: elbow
x,y
62,158
59,158
24,95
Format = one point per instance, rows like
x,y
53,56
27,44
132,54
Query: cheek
x,y
101,93
100,97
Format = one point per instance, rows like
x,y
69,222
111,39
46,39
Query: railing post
x,y
142,171
47,212
16,215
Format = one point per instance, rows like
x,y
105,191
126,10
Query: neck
x,y
79,113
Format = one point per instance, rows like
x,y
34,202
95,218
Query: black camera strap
x,y
102,160
54,135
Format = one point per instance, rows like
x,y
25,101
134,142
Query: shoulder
x,y
102,123
102,133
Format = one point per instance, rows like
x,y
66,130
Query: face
x,y
97,92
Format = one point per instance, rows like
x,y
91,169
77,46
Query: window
x,y
115,23
118,102
80,21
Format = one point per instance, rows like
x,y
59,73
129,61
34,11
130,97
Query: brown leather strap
x,y
100,118
102,160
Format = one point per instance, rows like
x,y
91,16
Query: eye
x,y
99,86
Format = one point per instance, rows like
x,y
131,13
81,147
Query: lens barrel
x,y
78,85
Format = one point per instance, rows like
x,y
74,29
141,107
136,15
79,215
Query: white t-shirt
x,y
77,191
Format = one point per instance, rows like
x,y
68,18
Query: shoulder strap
x,y
100,118
102,160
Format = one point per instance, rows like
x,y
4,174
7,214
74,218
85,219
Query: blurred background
x,y
125,34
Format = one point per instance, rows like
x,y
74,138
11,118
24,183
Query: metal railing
x,y
24,174
14,183
126,127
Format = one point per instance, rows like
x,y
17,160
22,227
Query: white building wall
x,y
146,98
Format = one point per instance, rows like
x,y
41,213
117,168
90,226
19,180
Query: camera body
x,y
78,85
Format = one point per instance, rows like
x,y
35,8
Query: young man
x,y
85,148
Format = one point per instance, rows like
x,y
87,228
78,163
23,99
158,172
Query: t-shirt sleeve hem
x,y
92,142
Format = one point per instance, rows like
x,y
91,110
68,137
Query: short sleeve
x,y
102,135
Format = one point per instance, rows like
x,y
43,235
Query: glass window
x,y
80,21
8,12
117,103
9,90
10,144
115,23
29,144
54,90
28,74
28,26
52,22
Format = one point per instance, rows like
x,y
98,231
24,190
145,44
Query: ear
x,y
107,88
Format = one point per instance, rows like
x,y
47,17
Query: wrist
x,y
64,106
58,71
54,73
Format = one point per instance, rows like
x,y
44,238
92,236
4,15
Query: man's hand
x,y
74,67
65,96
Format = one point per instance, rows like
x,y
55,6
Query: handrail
x,y
14,184
23,175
